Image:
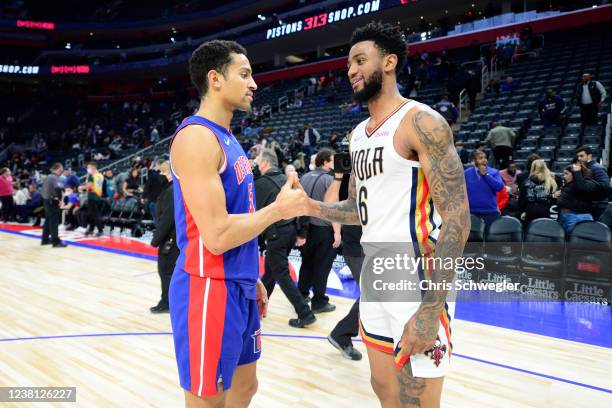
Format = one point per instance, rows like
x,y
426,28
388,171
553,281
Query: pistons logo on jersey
x,y
256,336
242,167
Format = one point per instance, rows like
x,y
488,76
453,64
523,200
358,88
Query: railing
x,y
266,109
283,102
131,156
605,159
463,102
4,153
485,77
495,71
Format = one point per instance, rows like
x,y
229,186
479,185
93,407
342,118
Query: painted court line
x,y
486,320
309,337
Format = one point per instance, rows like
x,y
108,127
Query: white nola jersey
x,y
393,197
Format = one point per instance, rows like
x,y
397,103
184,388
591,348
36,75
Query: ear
x,y
215,79
390,62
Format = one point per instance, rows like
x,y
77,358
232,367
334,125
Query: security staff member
x,y
164,238
51,194
279,239
589,96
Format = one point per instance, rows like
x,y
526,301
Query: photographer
x,y
164,238
279,239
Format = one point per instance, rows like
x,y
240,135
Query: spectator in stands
x,y
51,193
472,86
573,200
164,236
509,85
505,55
536,195
155,184
6,195
463,154
154,135
95,201
34,204
311,139
503,198
109,188
483,183
527,37
493,86
520,178
132,187
279,238
20,199
509,176
584,154
70,206
589,96
319,252
70,179
551,108
447,109
501,140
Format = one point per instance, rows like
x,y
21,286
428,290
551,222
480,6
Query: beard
x,y
371,87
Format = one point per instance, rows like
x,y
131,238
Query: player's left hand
x,y
420,332
262,299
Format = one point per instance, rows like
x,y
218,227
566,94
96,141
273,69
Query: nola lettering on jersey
x,y
368,162
242,167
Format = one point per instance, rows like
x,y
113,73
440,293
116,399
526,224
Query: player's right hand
x,y
292,200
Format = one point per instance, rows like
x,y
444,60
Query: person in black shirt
x,y
279,239
153,187
164,238
348,327
132,186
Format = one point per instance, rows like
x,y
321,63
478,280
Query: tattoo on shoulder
x,y
446,180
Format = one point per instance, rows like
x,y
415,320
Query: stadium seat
x,y
503,244
544,249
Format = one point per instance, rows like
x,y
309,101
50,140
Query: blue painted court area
x,y
581,322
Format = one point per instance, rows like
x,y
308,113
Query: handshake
x,y
292,201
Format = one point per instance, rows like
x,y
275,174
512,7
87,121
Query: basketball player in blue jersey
x,y
216,299
406,187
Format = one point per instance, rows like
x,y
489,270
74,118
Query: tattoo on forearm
x,y
411,388
343,212
447,186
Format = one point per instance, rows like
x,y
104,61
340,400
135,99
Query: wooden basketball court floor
x,y
79,317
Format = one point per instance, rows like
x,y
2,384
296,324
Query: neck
x,y
215,111
387,100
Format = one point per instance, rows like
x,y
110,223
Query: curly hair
x,y
386,37
211,55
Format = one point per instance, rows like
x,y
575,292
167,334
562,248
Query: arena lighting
x,y
70,69
40,25
321,20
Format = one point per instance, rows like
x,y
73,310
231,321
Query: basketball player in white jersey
x,y
407,186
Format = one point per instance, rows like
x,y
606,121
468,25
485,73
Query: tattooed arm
x,y
431,138
341,212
